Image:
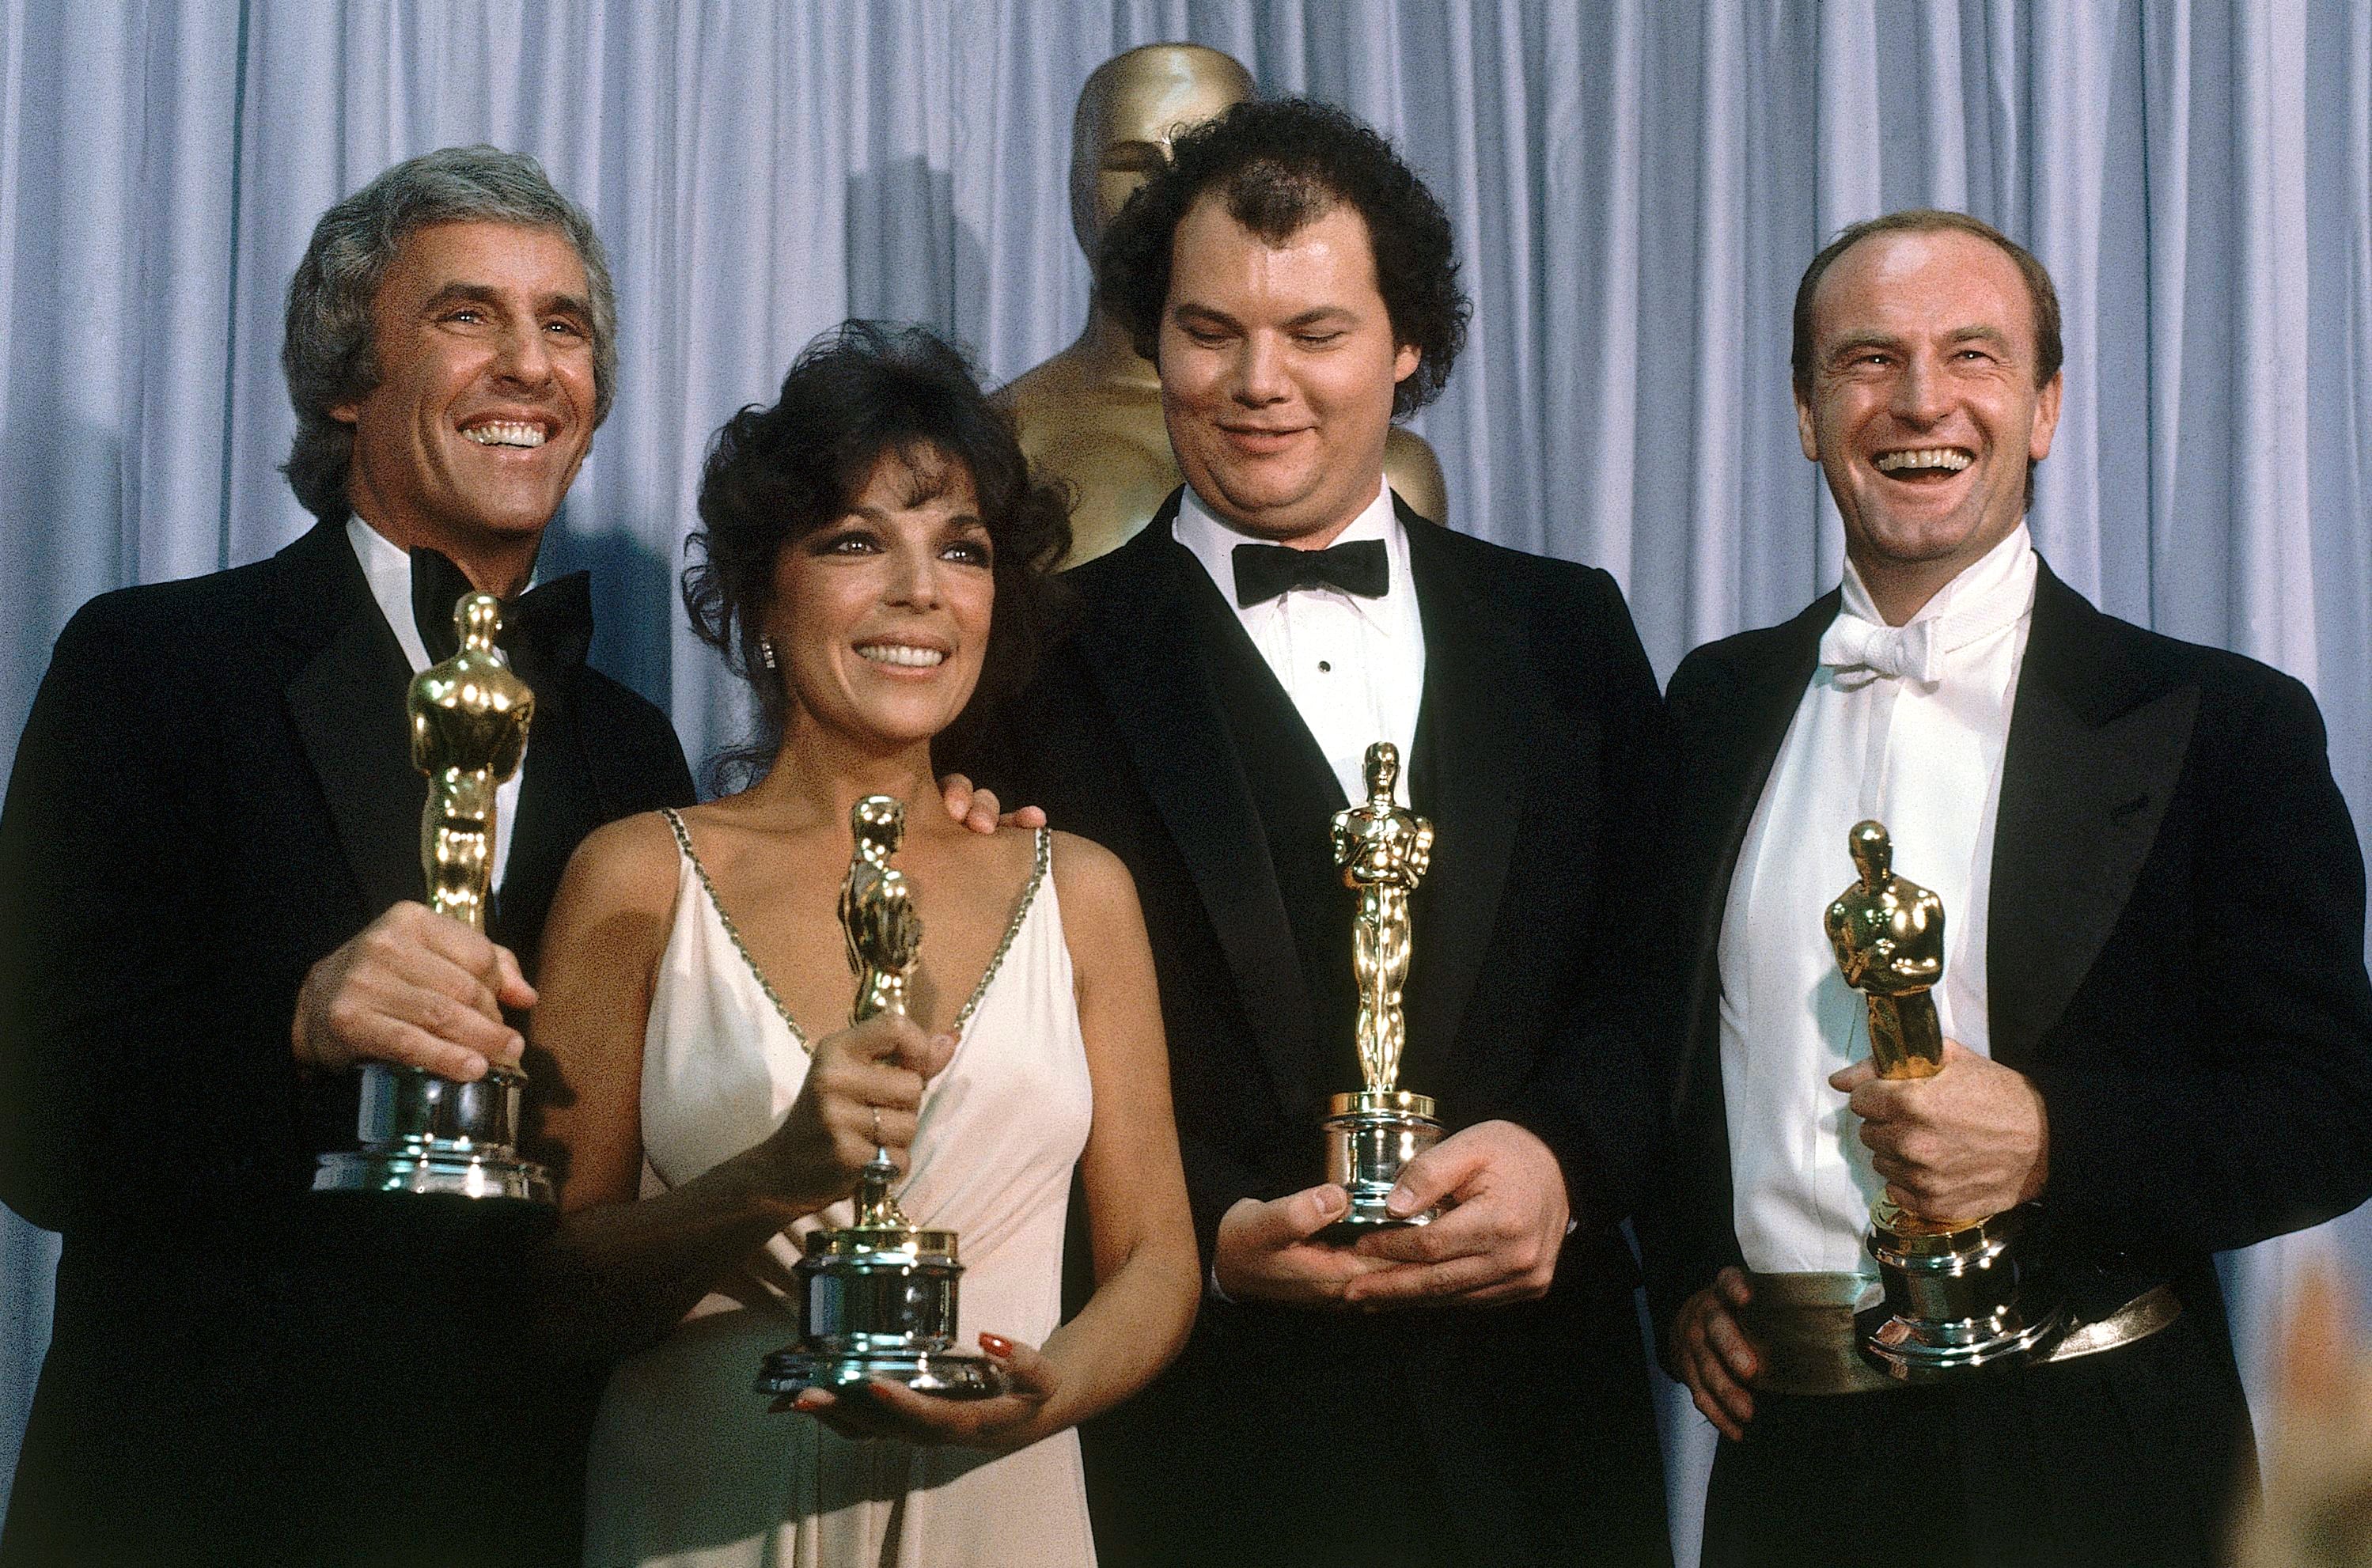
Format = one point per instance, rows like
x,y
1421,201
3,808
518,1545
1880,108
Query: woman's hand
x,y
999,1425
864,1090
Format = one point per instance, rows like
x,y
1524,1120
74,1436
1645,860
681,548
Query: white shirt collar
x,y
1214,543
389,568
1988,595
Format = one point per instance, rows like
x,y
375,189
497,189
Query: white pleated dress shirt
x,y
389,568
1354,667
1922,752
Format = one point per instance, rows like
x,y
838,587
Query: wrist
x,y
2038,1174
310,1059
758,1182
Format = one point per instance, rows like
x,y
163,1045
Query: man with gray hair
x,y
209,855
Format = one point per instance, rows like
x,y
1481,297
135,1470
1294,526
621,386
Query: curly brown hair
x,y
1280,165
861,391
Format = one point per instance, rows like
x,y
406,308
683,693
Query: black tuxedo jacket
x,y
1500,1435
2175,956
214,791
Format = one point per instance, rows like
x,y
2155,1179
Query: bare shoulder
x,y
1089,877
601,947
629,865
1101,923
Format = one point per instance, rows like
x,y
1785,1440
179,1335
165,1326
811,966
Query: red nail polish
x,y
998,1345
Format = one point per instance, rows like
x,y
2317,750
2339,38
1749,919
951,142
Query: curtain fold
x,y
1635,187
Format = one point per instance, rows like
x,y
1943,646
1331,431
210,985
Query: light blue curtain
x,y
1636,184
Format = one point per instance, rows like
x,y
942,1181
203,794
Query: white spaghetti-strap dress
x,y
688,1467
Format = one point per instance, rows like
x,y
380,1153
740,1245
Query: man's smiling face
x,y
1278,367
1924,412
483,340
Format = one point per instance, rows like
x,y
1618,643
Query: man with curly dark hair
x,y
1091,417
1471,1390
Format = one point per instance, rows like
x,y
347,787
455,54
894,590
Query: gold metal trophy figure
x,y
421,1132
880,1295
1091,415
1384,851
1953,1286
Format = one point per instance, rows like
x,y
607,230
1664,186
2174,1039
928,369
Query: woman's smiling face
x,y
880,617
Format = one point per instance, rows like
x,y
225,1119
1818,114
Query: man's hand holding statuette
x,y
416,988
1496,1240
1974,1140
1265,1251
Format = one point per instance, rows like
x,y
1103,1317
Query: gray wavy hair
x,y
327,353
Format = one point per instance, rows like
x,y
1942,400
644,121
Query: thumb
x,y
1281,1221
889,1037
1435,1175
1847,1079
938,1051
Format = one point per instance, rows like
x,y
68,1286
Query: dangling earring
x,y
766,652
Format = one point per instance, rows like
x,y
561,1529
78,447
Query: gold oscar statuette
x,y
420,1133
1383,850
879,1293
1957,1297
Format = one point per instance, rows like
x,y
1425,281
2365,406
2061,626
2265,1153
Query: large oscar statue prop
x,y
421,1132
880,1295
1383,851
1956,1295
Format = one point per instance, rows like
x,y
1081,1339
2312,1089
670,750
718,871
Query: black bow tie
x,y
1265,571
546,631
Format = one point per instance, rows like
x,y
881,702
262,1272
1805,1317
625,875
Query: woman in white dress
x,y
874,551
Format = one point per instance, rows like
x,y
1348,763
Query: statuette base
x,y
1370,1137
423,1134
461,1173
943,1373
1957,1298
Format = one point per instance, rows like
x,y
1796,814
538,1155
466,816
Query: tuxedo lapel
x,y
1731,709
346,700
2096,740
1727,756
558,805
1140,644
1469,774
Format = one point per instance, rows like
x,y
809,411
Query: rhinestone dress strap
x,y
684,842
1045,857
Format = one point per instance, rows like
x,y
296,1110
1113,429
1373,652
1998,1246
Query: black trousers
x,y
2134,1457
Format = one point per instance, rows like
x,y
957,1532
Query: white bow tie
x,y
1862,651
